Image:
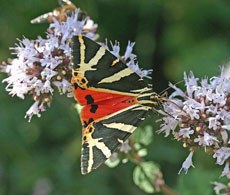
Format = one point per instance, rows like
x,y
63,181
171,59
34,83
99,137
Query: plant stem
x,y
167,190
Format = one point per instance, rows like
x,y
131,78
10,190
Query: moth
x,y
115,100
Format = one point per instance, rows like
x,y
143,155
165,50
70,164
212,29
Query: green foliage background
x,y
171,37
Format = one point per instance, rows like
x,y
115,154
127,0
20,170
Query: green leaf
x,y
144,176
144,136
113,161
142,152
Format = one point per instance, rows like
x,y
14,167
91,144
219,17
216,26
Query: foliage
x,y
173,37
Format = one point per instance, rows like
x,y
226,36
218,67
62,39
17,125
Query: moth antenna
x,y
161,111
164,92
172,102
163,98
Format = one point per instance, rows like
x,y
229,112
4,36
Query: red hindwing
x,y
98,104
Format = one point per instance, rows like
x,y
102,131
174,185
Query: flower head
x,y
220,188
43,65
201,115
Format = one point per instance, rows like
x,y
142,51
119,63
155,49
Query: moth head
x,y
156,98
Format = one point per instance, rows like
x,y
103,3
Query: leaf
x,y
144,136
142,152
113,161
144,176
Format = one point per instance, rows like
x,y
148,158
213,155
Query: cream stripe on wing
x,y
90,161
98,56
121,127
94,61
82,50
101,146
117,76
140,90
143,108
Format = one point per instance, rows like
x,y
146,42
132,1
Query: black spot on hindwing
x,y
93,108
89,99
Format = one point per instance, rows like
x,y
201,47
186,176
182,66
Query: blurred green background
x,y
42,157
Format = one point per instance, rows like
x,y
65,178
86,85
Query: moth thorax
x,y
148,98
156,98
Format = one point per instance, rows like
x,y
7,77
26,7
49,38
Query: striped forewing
x,y
95,67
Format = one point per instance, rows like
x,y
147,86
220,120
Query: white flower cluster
x,y
200,117
221,189
43,65
129,58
